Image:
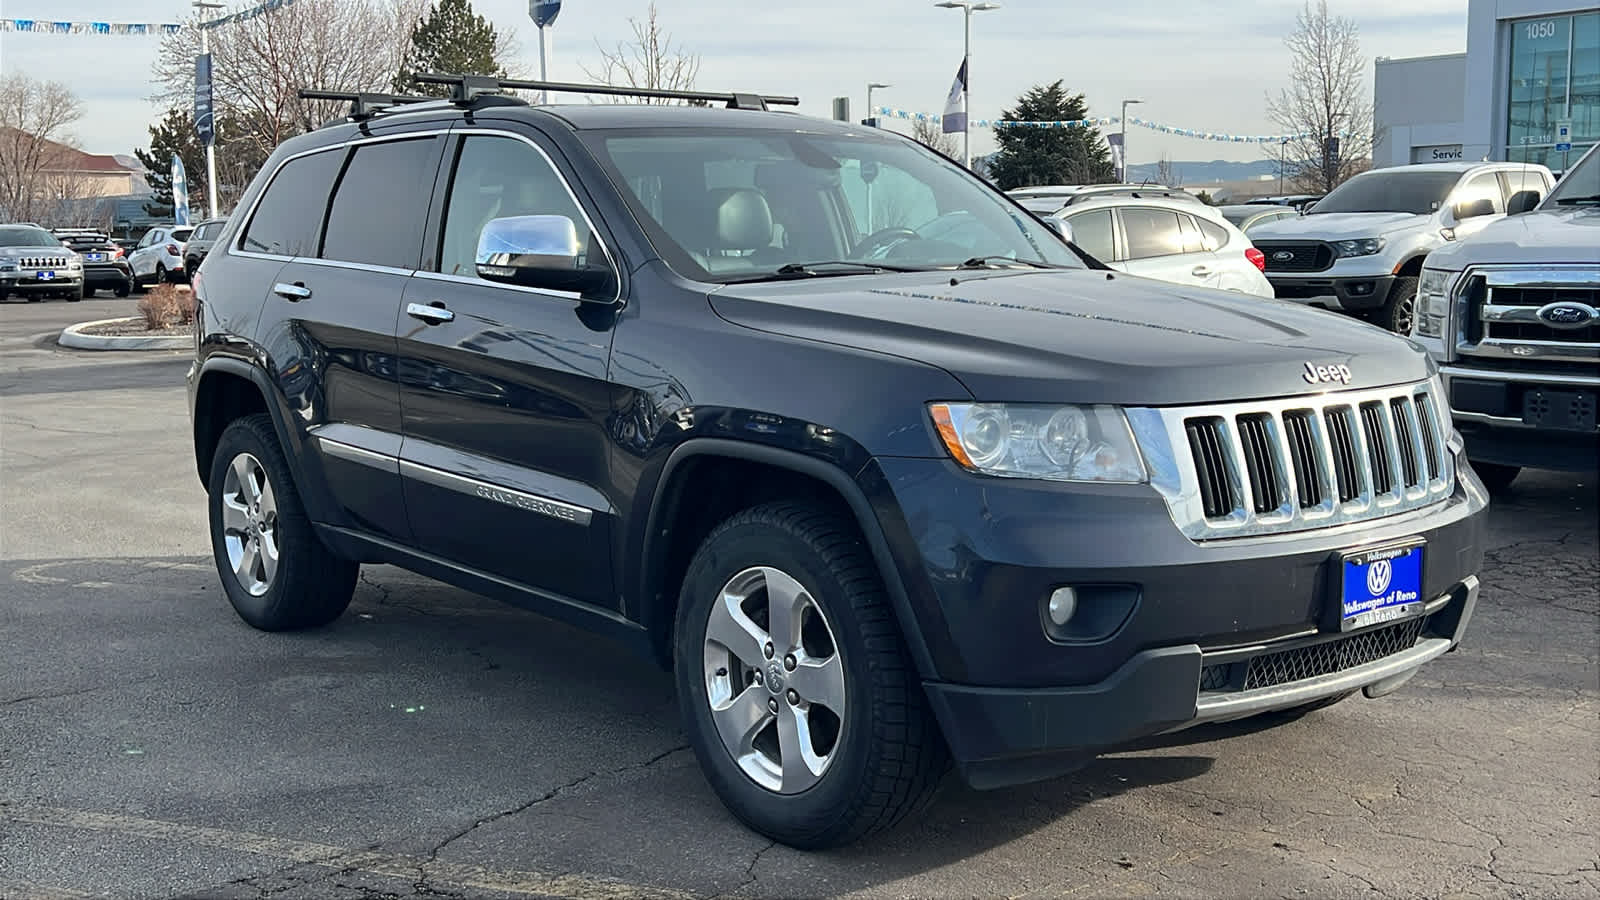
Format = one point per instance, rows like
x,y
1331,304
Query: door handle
x,y
293,293
433,313
1199,271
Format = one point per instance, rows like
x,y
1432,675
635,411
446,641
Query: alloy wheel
x,y
774,680
250,524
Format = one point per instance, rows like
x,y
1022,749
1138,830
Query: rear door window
x,y
380,207
1151,232
288,219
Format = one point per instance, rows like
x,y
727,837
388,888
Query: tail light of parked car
x,y
1256,257
172,249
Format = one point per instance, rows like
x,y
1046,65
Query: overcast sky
x,y
1200,65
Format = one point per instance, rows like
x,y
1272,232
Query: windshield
x,y
733,205
26,236
1582,180
1394,190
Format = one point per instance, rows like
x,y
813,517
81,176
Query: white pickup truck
x,y
1512,315
1360,249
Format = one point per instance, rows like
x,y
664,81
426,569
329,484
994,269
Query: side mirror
x,y
539,252
1522,201
1471,209
1060,227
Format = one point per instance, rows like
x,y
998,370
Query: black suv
x,y
200,242
885,471
105,263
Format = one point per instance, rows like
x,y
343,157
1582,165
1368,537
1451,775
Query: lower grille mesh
x,y
1326,658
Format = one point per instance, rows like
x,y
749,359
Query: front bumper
x,y
1488,406
27,282
1351,293
978,557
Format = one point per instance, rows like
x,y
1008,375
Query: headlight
x,y
1057,443
1361,247
1433,303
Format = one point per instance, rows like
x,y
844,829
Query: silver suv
x,y
1360,249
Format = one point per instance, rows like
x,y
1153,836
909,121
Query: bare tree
x,y
931,135
650,60
1326,98
35,146
1166,174
260,64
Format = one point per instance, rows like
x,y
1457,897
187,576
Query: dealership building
x,y
1532,68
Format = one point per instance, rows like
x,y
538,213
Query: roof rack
x,y
364,105
469,88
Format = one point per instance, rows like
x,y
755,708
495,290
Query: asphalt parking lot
x,y
435,743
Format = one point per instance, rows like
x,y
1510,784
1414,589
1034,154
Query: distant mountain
x,y
1196,172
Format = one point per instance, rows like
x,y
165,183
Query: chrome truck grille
x,y
1300,463
1522,314
42,262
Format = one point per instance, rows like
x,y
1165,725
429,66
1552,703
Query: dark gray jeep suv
x,y
885,471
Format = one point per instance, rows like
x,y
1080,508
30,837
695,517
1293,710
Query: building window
x,y
1555,77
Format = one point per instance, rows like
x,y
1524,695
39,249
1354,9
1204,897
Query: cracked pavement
x,y
436,744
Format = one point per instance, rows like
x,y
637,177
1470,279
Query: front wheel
x,y
275,570
799,701
1400,309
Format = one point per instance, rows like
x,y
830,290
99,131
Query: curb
x,y
73,336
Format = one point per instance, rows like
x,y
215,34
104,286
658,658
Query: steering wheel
x,y
881,239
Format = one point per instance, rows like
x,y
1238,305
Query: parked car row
x,y
73,263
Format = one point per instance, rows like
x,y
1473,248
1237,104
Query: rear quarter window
x,y
288,219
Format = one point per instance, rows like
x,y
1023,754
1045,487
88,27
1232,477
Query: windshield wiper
x,y
1590,198
983,262
810,268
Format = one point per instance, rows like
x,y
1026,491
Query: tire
x,y
1398,312
309,585
880,757
124,289
161,274
1496,477
77,296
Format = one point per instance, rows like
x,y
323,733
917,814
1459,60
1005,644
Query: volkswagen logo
x,y
1567,314
1378,576
1283,255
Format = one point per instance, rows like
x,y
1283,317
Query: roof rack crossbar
x,y
469,87
363,104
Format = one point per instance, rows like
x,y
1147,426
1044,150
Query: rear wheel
x,y
1496,477
801,705
124,289
161,274
275,570
1400,309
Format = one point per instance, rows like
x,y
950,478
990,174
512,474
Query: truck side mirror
x,y
1522,201
1471,209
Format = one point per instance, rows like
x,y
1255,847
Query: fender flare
x,y
293,443
811,466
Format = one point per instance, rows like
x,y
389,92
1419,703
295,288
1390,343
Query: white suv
x,y
1181,241
1360,249
159,257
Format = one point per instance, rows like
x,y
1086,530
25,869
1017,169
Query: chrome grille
x,y
1290,465
1502,306
42,262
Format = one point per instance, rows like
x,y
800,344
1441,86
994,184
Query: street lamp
x,y
872,86
1123,175
211,148
968,7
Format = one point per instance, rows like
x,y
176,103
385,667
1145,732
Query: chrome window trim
x,y
1161,434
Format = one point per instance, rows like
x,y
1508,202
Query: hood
x,y
1338,226
35,250
1083,336
1562,234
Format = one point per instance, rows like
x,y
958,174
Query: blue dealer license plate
x,y
47,276
1380,586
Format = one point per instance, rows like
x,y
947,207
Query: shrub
x,y
159,307
183,305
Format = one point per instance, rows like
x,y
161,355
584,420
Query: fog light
x,y
1063,603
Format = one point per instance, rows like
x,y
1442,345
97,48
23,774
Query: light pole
x,y
211,148
872,86
968,7
1124,122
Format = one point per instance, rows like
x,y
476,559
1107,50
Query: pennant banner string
x,y
137,29
1201,134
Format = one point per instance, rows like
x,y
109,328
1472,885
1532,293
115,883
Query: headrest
x,y
743,219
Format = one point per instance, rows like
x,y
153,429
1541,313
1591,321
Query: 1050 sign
x,y
1533,31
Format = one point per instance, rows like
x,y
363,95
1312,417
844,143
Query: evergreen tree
x,y
1030,156
173,134
450,39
